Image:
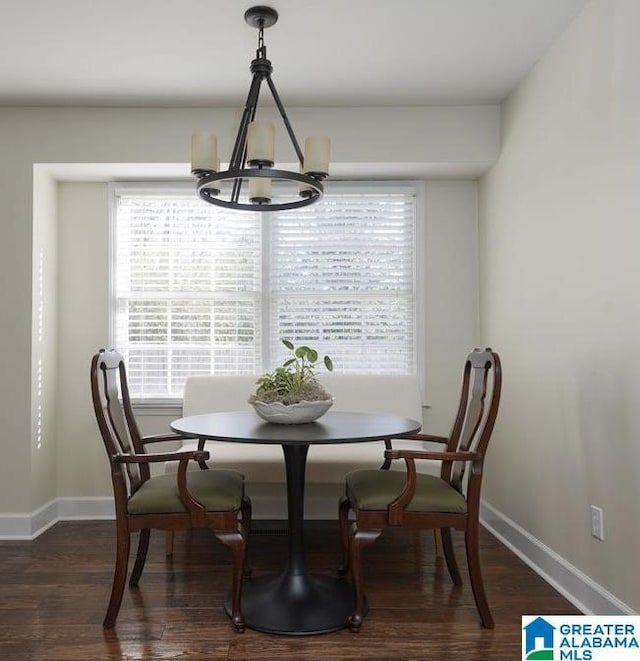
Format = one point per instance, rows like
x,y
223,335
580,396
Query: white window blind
x,y
343,279
198,289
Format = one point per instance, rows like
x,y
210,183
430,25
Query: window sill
x,y
166,407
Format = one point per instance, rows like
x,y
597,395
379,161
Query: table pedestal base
x,y
293,604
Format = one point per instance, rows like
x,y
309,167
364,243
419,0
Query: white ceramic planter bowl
x,y
293,414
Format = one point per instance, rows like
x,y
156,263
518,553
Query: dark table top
x,y
333,427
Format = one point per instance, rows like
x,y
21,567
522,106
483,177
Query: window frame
x,y
166,405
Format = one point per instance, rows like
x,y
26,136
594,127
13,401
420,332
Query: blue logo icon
x,y
539,640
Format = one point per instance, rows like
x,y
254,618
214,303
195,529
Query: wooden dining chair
x,y
212,498
381,498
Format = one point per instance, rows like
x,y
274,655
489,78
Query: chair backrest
x,y
479,400
114,414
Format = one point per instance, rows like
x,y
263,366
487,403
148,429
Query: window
x,y
197,289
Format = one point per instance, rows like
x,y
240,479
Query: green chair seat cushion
x,y
375,489
219,490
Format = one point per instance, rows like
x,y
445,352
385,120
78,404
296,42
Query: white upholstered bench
x,y
263,465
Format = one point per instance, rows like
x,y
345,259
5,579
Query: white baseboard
x,y
29,526
584,593
587,595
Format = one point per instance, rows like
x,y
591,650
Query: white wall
x,y
44,338
396,141
559,238
451,306
83,286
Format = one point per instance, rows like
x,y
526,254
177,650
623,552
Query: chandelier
x,y
247,183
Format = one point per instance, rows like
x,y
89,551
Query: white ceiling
x,y
324,52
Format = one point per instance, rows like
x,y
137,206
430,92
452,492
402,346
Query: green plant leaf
x,y
301,352
294,379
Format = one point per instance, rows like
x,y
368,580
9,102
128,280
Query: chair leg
x,y
437,541
236,542
475,576
343,521
169,542
450,556
119,575
246,509
359,539
141,556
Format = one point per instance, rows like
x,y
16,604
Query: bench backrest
x,y
212,393
395,394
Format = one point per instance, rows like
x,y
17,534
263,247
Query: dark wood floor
x,y
54,590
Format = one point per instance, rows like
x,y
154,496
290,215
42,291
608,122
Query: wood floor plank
x,y
54,592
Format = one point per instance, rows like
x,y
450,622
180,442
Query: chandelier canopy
x,y
247,183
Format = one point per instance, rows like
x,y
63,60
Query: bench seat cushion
x,y
265,463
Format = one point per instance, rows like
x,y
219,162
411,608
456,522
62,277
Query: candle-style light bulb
x,y
316,155
261,143
259,190
204,152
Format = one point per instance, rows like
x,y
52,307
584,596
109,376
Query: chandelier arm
x,y
285,119
235,190
239,155
248,115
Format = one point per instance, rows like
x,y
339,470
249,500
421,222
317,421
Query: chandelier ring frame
x,y
208,192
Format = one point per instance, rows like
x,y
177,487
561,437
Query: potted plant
x,y
291,394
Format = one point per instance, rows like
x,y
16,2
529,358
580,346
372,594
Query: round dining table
x,y
295,602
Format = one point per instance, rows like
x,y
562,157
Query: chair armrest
x,y
431,438
438,456
412,437
154,457
159,438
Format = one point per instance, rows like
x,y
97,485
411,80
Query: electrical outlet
x,y
597,522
